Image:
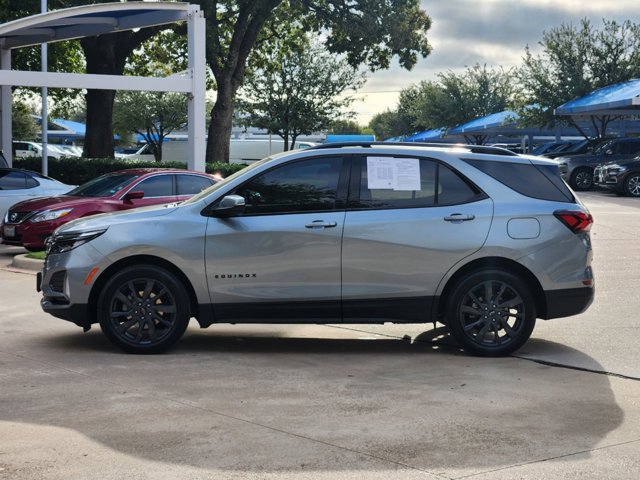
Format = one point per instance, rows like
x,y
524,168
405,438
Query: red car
x,y
29,223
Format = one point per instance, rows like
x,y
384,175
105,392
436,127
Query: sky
x,y
491,32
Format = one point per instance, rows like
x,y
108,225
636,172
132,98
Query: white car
x,y
33,149
17,185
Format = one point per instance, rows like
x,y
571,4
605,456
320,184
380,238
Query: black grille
x,y
17,217
57,282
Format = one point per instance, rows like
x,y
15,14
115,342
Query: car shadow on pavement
x,y
243,401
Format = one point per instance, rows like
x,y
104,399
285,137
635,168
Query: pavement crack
x,y
542,460
579,369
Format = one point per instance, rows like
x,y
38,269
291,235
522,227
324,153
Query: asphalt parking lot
x,y
332,401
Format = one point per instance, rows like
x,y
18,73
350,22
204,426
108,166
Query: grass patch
x,y
36,255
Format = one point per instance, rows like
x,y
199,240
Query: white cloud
x,y
491,32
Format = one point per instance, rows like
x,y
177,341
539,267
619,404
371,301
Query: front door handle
x,y
459,217
321,224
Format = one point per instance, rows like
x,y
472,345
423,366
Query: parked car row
x,y
33,205
34,149
579,170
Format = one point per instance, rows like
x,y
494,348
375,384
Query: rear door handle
x,y
459,217
321,224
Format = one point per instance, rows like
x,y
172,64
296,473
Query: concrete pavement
x,y
330,402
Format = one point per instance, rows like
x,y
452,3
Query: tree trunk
x,y
220,128
98,138
107,55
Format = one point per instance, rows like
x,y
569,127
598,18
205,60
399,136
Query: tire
x,y
491,313
632,185
582,179
144,309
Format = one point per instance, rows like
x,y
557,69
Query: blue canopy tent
x,y
619,99
433,135
491,124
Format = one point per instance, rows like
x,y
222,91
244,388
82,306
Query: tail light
x,y
576,221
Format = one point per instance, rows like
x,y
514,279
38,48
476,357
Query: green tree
x,y
391,123
345,126
576,60
153,115
24,126
369,32
454,99
299,92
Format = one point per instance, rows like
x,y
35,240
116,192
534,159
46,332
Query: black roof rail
x,y
466,146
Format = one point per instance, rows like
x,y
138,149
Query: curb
x,y
24,263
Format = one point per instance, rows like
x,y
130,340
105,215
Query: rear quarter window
x,y
535,181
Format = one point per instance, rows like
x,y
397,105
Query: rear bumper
x,y
567,302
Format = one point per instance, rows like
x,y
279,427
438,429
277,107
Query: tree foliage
x,y
23,125
368,32
454,99
575,60
299,92
153,115
392,123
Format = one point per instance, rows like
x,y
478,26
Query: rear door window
x,y
192,184
403,182
10,180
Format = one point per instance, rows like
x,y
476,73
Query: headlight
x,y
63,242
49,215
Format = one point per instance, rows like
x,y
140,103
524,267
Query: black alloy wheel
x,y
144,309
632,185
491,313
582,179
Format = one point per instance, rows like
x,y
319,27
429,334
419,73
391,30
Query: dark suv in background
x,y
577,170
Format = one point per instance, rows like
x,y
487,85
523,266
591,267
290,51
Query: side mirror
x,y
134,195
227,207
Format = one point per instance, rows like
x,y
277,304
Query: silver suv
x,y
478,238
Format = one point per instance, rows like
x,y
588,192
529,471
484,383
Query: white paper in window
x,y
407,174
385,173
380,173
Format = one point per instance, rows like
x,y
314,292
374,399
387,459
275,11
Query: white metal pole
x,y
45,112
196,98
6,106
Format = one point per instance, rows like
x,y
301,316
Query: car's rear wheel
x,y
491,313
582,179
632,185
144,309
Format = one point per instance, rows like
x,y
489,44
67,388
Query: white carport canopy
x,y
99,19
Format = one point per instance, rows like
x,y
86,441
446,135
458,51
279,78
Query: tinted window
x,y
13,180
156,186
629,148
412,183
536,181
192,184
104,186
307,185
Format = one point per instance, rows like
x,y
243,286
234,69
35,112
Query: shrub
x,y
76,171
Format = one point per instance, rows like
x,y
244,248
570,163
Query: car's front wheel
x,y
491,313
632,185
144,309
582,179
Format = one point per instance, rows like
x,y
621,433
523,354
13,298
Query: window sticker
x,y
384,173
380,173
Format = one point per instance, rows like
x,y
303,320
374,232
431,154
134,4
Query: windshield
x,y
603,147
104,186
